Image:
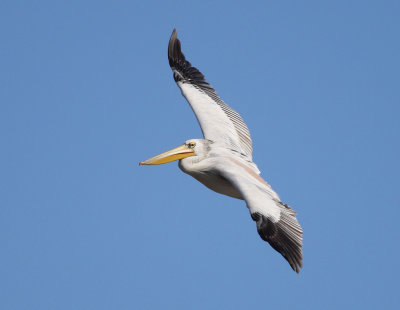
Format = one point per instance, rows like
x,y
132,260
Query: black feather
x,y
282,237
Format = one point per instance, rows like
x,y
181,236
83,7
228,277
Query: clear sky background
x,y
86,93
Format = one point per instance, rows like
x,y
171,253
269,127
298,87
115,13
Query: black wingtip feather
x,y
183,70
280,236
175,55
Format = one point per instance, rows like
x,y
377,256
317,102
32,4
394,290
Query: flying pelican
x,y
222,161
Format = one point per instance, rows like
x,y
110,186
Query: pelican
x,y
222,161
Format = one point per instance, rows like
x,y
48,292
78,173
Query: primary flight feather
x,y
222,161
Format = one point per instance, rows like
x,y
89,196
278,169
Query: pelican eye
x,y
192,145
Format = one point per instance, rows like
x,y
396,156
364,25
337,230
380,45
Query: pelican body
x,y
222,161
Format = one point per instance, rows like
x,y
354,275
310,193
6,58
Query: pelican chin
x,y
222,161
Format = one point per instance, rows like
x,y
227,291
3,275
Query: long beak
x,y
166,157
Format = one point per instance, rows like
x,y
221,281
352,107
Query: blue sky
x,y
86,93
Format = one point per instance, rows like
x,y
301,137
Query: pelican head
x,y
193,147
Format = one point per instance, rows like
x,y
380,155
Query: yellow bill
x,y
166,157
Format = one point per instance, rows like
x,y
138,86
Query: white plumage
x,y
222,161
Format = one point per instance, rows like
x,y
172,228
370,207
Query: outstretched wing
x,y
217,120
276,222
